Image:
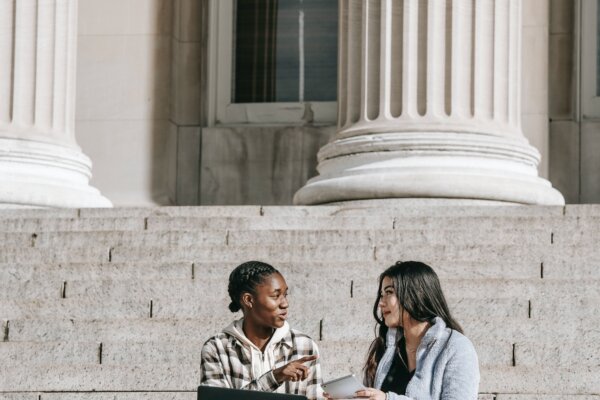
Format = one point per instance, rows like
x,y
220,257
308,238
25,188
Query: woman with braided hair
x,y
260,351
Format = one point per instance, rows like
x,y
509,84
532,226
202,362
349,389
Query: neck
x,y
259,335
413,334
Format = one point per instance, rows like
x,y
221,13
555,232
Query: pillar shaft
x,y
429,105
40,162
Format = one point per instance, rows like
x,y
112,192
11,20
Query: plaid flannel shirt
x,y
226,362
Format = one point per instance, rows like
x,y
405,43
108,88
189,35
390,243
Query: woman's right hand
x,y
294,371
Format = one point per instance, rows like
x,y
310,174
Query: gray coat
x,y
447,367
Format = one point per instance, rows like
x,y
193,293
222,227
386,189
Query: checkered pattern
x,y
227,363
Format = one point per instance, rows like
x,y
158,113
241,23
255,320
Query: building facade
x,y
161,109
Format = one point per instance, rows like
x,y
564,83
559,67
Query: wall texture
x,y
123,97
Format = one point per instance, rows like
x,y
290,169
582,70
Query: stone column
x,y
429,95
40,162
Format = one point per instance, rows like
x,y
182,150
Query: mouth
x,y
283,315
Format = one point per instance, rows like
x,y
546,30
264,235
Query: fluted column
x,y
429,106
40,162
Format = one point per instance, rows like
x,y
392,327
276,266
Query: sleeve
x,y
461,375
314,391
396,396
214,373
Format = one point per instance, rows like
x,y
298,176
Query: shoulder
x,y
460,346
215,343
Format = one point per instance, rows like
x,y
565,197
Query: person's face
x,y
269,304
390,307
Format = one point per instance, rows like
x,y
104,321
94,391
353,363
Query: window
x,y
273,61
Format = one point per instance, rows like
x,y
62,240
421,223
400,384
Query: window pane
x,y
285,51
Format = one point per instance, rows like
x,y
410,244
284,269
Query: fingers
x,y
307,358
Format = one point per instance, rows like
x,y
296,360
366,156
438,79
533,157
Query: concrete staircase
x,y
116,304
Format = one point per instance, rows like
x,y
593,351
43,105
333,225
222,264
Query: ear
x,y
247,300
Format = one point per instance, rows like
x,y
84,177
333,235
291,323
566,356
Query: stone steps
x,y
331,286
540,380
376,222
178,396
446,269
434,254
523,282
282,237
492,352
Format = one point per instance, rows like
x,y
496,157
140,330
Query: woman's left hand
x,y
371,394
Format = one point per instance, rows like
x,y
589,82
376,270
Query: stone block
x,y
560,64
236,160
39,256
575,306
540,380
178,211
71,224
536,13
99,378
566,354
119,330
47,353
16,272
123,77
31,289
186,85
125,17
233,255
38,213
142,152
535,70
123,238
582,210
407,237
171,163
189,28
590,162
188,165
393,209
73,309
152,353
20,396
562,16
192,395
567,269
230,223
564,159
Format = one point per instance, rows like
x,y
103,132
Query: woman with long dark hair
x,y
260,351
420,351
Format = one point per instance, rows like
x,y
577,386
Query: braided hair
x,y
244,278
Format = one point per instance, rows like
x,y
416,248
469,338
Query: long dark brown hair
x,y
420,294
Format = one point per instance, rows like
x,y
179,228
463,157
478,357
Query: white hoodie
x,y
261,362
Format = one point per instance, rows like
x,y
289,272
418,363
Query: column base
x,y
429,165
37,174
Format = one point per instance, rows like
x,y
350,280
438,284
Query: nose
x,y
284,303
381,302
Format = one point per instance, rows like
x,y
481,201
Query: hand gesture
x,y
368,393
294,370
371,394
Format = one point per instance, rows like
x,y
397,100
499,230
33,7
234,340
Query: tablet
x,y
343,388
